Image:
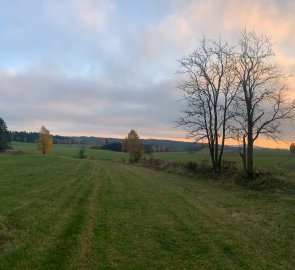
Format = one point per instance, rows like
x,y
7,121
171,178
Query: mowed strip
x,y
44,213
105,215
155,220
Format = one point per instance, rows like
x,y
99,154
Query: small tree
x,y
148,149
81,153
292,149
4,136
44,143
131,144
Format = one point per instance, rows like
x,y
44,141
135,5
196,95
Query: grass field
x,y
58,212
273,160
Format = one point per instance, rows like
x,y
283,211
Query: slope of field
x,y
71,150
57,212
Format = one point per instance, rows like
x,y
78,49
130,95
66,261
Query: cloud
x,y
103,67
79,104
82,15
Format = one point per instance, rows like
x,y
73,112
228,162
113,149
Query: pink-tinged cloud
x,y
103,67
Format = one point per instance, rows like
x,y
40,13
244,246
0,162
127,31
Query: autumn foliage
x,y
44,143
131,144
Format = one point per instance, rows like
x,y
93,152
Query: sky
x,y
102,67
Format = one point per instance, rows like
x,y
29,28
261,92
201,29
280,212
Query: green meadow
x,y
60,212
277,161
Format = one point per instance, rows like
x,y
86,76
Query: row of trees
x,y
44,141
233,92
32,137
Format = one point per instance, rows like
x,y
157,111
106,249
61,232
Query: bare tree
x,y
210,88
263,101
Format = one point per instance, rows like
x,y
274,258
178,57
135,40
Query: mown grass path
x,y
63,213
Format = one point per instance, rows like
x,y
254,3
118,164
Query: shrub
x,y
205,163
81,153
14,152
228,166
191,167
292,149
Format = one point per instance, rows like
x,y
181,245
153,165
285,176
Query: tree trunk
x,y
250,154
211,148
217,165
244,155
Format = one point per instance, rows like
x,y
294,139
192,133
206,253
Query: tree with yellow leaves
x,y
44,143
131,144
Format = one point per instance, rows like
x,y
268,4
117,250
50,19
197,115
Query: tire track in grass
x,y
230,240
26,213
241,244
109,235
84,258
30,251
24,246
178,242
129,234
187,219
101,237
48,189
66,244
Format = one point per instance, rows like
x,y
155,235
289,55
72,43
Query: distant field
x,y
58,212
274,160
71,150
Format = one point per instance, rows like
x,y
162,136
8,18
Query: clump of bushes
x,y
267,181
190,167
230,173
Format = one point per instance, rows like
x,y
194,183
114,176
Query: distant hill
x,y
161,145
164,145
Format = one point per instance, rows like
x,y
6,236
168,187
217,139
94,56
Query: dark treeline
x,y
31,137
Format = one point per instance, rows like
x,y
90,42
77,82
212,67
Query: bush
x,y
192,167
292,149
229,171
81,153
266,181
227,165
14,152
205,163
